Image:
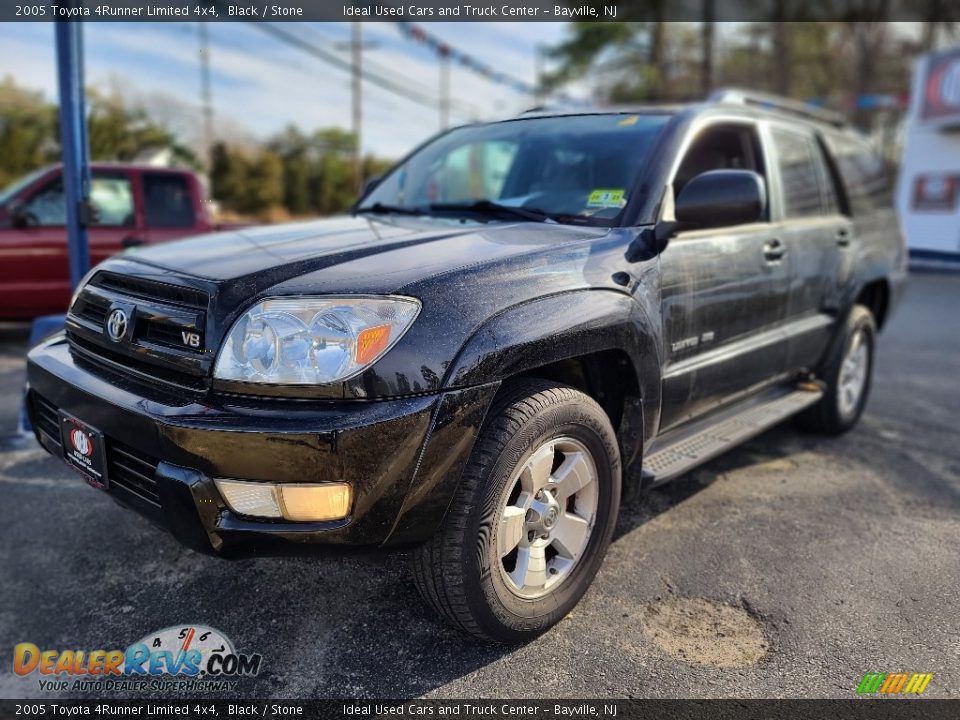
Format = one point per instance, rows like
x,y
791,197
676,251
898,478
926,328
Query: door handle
x,y
774,250
132,241
843,237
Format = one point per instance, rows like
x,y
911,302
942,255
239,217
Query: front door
x,y
36,256
724,293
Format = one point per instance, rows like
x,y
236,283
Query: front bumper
x,y
402,457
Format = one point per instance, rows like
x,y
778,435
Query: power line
x,y
463,109
331,59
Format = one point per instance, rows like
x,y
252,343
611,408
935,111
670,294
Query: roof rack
x,y
775,102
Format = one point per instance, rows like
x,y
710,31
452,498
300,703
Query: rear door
x,y
819,237
724,291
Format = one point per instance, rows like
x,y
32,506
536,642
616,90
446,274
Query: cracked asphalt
x,y
787,568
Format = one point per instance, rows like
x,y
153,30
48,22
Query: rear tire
x,y
847,374
531,519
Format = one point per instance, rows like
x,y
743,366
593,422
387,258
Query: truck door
x,y
724,291
820,239
38,279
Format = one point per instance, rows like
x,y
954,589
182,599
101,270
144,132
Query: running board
x,y
706,439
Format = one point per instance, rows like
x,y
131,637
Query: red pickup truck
x,y
133,205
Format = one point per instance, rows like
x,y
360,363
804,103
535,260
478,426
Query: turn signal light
x,y
371,342
297,502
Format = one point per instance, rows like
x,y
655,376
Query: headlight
x,y
310,341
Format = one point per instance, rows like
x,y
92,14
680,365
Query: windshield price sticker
x,y
606,199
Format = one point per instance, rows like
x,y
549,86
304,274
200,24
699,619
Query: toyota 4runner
x,y
519,323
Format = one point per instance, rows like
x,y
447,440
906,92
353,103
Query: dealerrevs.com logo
x,y
191,657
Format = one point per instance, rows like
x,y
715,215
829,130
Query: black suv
x,y
517,324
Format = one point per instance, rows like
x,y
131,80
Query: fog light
x,y
250,498
300,502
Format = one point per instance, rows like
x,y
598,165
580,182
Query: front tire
x,y
532,517
847,375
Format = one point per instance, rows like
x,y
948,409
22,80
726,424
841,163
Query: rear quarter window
x,y
862,171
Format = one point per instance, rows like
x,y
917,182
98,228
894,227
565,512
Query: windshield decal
x,y
607,198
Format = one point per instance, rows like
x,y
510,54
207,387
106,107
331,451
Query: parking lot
x,y
789,567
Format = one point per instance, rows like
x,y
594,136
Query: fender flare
x,y
558,327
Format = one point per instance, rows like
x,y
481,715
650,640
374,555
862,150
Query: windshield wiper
x,y
381,209
490,208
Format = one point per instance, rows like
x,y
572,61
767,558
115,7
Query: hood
x,y
352,254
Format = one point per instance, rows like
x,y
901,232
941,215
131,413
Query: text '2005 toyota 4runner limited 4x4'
x,y
519,322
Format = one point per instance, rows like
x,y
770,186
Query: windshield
x,y
578,169
16,186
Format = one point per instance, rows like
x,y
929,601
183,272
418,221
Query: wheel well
x,y
876,296
608,377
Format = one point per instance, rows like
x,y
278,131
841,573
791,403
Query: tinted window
x,y
167,201
862,171
110,195
831,200
799,175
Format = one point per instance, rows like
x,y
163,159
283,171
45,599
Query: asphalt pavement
x,y
787,568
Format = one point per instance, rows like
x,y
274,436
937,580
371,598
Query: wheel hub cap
x,y
853,375
546,516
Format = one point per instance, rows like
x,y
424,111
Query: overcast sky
x,y
261,84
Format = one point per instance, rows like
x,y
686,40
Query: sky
x,y
259,84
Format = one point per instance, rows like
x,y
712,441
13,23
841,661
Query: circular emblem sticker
x,y
81,442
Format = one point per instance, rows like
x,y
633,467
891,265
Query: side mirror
x,y
721,198
19,217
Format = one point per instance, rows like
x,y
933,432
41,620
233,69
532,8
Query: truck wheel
x,y
847,373
531,519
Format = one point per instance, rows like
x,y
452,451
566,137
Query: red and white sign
x,y
941,91
81,442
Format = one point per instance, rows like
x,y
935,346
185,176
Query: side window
x,y
167,200
799,174
726,147
863,173
110,195
112,199
47,207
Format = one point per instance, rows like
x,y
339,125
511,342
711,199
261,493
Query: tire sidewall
x,y
859,322
496,605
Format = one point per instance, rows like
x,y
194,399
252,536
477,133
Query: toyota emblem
x,y
117,323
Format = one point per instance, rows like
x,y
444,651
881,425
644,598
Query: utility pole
x,y
444,88
206,97
356,52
